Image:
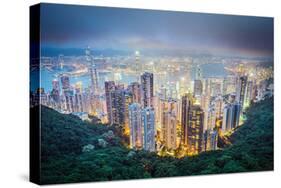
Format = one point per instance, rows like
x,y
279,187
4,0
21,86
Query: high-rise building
x,y
56,85
147,90
93,72
198,73
109,87
138,66
231,116
79,106
195,129
249,94
210,140
118,106
198,88
69,101
148,124
241,89
55,93
135,123
128,102
186,105
135,89
169,130
65,82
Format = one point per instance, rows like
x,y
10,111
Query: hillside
x,y
73,150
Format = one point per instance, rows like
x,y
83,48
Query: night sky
x,y
65,26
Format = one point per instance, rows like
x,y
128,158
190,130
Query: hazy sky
x,y
132,29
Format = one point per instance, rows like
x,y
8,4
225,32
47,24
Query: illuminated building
x,y
163,92
186,104
56,85
147,90
65,82
218,105
231,116
198,88
135,89
109,87
93,72
69,101
195,129
249,94
210,140
198,73
148,124
117,97
211,118
135,124
169,130
79,106
128,102
55,93
138,66
240,90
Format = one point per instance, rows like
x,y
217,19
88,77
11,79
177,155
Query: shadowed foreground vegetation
x,y
77,151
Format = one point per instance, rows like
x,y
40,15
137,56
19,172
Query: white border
x,y
14,93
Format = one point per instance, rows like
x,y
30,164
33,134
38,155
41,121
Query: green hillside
x,y
73,150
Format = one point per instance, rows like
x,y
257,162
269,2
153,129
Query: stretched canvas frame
x,y
119,94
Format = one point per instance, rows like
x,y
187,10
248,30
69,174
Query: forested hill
x,y
73,150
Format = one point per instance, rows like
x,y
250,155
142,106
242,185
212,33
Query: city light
x,y
168,111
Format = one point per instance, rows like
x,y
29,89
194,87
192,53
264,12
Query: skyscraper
x,y
109,87
148,124
135,89
241,89
55,93
138,66
198,73
93,71
65,82
231,116
135,123
147,90
118,106
198,88
195,129
186,105
169,129
128,102
79,107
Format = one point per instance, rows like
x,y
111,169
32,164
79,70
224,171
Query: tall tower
x,y
198,75
241,90
65,82
93,71
148,124
169,129
135,89
186,105
109,87
198,88
195,129
118,106
147,90
138,66
135,126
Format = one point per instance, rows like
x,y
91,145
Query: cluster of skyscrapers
x,y
153,119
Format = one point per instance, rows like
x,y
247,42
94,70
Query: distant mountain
x,y
55,52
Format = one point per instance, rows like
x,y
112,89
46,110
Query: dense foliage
x,y
73,150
